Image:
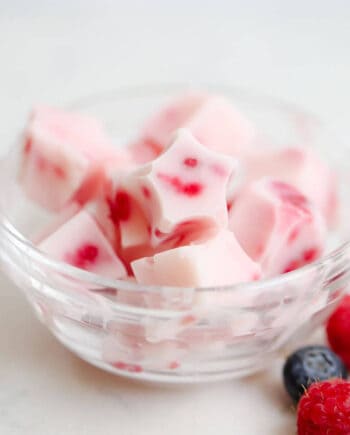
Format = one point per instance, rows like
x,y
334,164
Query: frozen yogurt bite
x,y
63,155
277,226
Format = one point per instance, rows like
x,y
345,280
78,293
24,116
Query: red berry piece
x,y
189,189
191,162
120,208
84,256
325,409
28,146
338,330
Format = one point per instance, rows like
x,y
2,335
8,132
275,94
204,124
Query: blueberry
x,y
308,365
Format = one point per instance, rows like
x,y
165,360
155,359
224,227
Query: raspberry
x,y
325,409
338,330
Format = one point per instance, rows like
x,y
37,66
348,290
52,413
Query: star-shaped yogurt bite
x,y
184,188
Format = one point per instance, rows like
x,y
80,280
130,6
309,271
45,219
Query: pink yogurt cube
x,y
215,262
212,120
184,190
221,127
62,157
80,242
303,169
121,218
158,131
277,226
126,215
117,214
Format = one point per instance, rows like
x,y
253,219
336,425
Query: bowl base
x,y
178,376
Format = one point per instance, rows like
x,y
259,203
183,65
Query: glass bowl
x,y
169,334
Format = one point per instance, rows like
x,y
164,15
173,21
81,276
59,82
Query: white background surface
x,y
54,51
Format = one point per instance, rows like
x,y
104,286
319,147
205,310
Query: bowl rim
x,y
28,248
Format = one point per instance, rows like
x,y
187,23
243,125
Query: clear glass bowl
x,y
177,334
